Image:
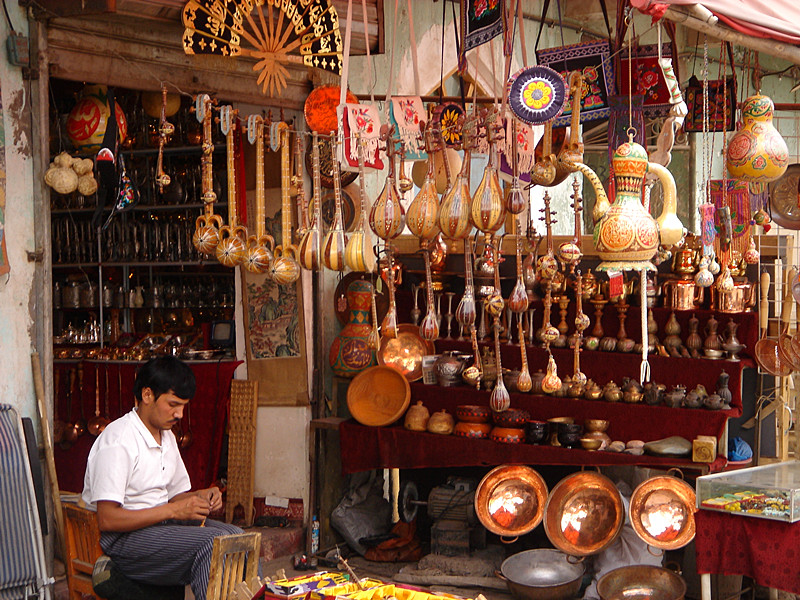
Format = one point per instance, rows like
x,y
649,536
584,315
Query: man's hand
x,y
213,496
191,508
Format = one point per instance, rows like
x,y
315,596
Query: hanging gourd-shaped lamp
x,y
757,153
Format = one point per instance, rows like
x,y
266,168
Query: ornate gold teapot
x,y
625,235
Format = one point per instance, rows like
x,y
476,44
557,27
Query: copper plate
x,y
319,108
378,396
404,353
584,514
784,198
510,500
662,512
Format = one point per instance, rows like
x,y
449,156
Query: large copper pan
x,y
641,582
662,512
584,514
510,500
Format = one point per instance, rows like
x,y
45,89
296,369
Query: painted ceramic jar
x,y
86,123
350,352
757,152
626,236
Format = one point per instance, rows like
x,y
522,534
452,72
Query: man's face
x,y
163,412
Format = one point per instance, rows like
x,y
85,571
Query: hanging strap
x,y
348,34
521,25
545,6
369,57
413,40
387,106
462,68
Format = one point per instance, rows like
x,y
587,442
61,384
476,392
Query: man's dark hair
x,y
163,375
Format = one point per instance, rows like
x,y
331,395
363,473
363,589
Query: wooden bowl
x,y
378,396
507,435
472,413
472,430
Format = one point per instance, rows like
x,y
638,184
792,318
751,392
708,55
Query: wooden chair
x,y
234,560
82,538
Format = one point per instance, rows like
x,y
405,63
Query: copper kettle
x,y
682,294
737,300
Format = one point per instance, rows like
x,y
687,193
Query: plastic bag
x,y
363,511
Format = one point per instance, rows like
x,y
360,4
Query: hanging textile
x,y
481,21
593,60
737,199
647,78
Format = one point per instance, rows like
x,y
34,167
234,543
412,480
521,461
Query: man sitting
x,y
152,526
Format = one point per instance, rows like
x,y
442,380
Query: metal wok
x,y
542,574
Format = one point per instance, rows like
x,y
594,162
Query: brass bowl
x,y
510,500
596,424
591,444
641,582
584,514
662,512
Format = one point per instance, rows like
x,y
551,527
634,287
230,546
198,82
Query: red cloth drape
x,y
207,411
765,550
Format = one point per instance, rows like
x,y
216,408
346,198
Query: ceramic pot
x,y
350,351
611,392
722,388
417,417
674,398
448,368
514,418
535,431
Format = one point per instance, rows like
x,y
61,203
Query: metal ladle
x,y
97,423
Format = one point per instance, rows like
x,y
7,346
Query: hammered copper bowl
x,y
513,417
472,413
510,500
584,514
641,582
662,512
542,574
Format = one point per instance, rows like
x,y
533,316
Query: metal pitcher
x,y
740,299
682,294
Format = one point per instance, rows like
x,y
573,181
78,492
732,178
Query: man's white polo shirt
x,y
128,466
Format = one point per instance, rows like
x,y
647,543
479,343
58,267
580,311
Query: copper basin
x,y
641,582
584,514
662,512
510,500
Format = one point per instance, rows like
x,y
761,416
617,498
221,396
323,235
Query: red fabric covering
x,y
364,448
773,19
207,412
765,550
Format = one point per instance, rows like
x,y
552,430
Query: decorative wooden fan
x,y
273,32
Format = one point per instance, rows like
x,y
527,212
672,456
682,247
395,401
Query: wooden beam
x,y
48,9
119,51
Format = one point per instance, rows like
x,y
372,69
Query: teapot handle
x,y
601,204
671,228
